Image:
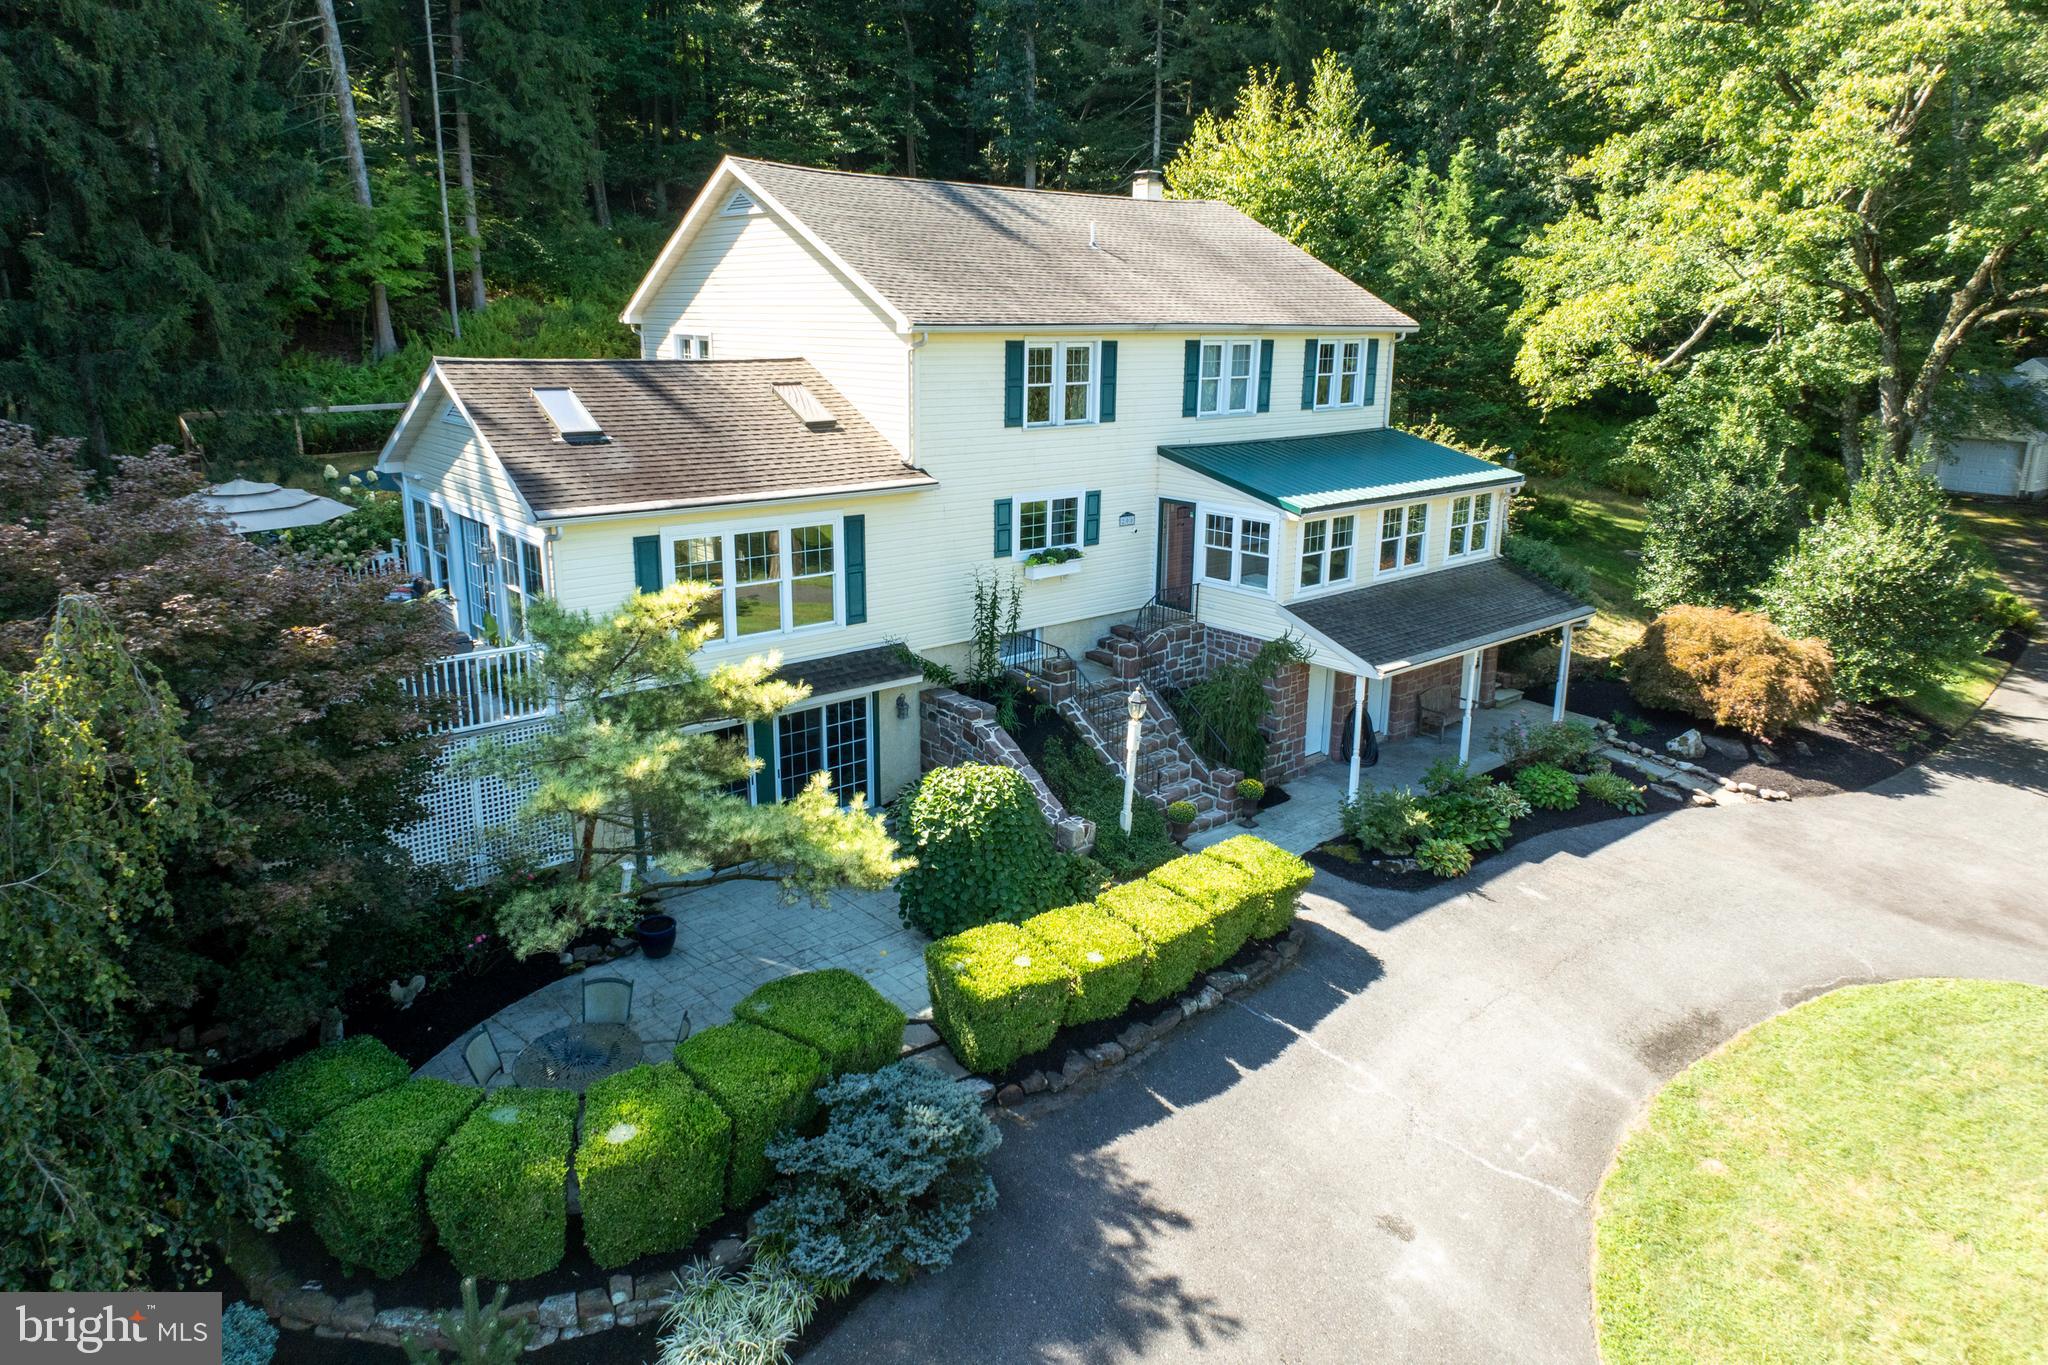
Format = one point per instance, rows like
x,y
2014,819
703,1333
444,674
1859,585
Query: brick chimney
x,y
1148,185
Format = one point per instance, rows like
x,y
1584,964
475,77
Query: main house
x,y
856,393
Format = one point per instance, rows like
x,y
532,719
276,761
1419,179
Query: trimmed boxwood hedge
x,y
360,1172
1232,901
763,1081
1280,873
1104,960
852,1026
650,1169
326,1080
1175,930
497,1194
997,994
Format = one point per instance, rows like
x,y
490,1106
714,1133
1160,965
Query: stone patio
x,y
730,939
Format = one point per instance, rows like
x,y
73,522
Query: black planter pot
x,y
657,934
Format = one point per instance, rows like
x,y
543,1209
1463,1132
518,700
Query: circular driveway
x,y
1389,1153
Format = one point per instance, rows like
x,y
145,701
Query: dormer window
x,y
572,420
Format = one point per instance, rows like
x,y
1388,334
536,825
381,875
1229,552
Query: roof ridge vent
x,y
572,420
806,406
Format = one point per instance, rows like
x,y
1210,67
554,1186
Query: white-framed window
x,y
1404,537
1237,549
689,346
832,739
1227,382
438,543
520,578
1326,545
1059,383
1471,526
1048,521
1340,374
771,580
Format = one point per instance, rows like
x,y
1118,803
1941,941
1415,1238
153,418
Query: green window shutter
x,y
1191,374
1372,371
1013,383
1002,528
647,563
853,541
764,749
1091,517
1106,400
1266,376
1308,375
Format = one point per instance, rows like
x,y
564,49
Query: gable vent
x,y
741,202
572,420
805,405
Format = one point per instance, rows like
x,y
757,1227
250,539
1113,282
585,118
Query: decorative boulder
x,y
1687,745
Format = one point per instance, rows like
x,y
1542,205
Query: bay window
x,y
1338,374
1326,551
1237,550
1059,383
1471,525
1404,535
1227,383
767,581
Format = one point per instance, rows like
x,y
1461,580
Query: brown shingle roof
x,y
683,432
950,254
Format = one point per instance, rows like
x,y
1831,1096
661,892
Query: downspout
x,y
917,341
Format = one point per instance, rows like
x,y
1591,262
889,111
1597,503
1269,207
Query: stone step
x,y
1123,632
1101,656
1506,696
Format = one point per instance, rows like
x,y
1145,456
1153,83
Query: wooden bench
x,y
1438,708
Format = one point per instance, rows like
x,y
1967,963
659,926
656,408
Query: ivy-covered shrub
x,y
247,1336
890,1187
650,1168
497,1193
1175,931
1282,875
1232,903
764,1083
850,1023
307,1089
1732,668
1612,789
1088,788
997,994
1104,960
1547,787
984,851
361,1172
1445,857
1387,820
1569,744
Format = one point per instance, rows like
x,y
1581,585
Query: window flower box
x,y
1059,570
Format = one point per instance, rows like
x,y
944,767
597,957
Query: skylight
x,y
571,418
805,405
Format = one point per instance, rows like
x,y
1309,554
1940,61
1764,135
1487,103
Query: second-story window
x,y
1326,551
1404,535
1237,550
1338,369
1059,383
768,580
1228,381
1471,525
1048,523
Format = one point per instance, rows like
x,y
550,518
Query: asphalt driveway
x,y
1389,1154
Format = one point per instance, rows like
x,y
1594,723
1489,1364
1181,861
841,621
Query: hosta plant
x,y
1616,791
1445,857
1550,788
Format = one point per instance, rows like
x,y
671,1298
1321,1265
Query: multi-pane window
x,y
689,346
734,734
422,541
701,559
437,540
770,580
832,739
1237,550
1337,374
1471,525
1227,382
1048,524
519,562
1059,383
1404,532
1326,551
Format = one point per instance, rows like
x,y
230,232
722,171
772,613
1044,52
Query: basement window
x,y
571,418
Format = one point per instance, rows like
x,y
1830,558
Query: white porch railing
x,y
487,687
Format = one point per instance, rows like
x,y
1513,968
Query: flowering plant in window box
x,y
1053,563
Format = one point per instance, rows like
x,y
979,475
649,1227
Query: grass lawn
x,y
1864,1177
1956,691
1608,546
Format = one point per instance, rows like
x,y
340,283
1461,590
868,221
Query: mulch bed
x,y
1343,858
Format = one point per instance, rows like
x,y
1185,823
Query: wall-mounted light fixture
x,y
1129,521
902,708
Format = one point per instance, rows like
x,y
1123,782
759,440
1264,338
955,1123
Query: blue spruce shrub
x,y
247,1337
892,1184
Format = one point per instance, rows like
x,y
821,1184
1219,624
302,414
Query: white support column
x,y
1468,696
1361,723
1564,675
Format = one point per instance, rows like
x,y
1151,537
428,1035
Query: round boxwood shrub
x,y
360,1172
850,1023
1546,787
497,1194
1732,668
305,1090
763,1081
984,851
650,1168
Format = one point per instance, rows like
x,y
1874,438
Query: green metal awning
x,y
1303,474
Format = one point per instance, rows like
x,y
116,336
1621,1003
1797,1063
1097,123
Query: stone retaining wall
x,y
1185,775
955,728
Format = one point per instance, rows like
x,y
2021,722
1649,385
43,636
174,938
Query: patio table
x,y
576,1057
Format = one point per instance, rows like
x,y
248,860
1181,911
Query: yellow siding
x,y
448,460
760,291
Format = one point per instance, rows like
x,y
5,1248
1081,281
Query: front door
x,y
1176,582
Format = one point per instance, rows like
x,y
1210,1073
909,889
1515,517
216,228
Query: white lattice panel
x,y
472,826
